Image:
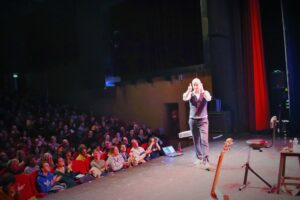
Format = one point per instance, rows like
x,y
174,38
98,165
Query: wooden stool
x,y
281,172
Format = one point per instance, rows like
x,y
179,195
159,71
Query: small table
x,y
281,173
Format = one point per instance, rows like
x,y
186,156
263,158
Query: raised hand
x,y
190,88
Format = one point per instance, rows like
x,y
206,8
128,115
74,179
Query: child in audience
x,y
46,180
66,173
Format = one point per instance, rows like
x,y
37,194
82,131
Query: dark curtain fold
x,y
292,36
156,35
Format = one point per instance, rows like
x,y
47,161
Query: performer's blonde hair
x,y
196,80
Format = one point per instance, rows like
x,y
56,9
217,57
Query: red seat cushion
x,y
104,156
80,166
27,192
144,145
32,177
128,150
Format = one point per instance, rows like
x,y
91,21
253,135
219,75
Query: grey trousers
x,y
199,129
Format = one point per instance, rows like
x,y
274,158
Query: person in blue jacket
x,y
47,181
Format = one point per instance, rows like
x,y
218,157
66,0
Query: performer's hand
x,y
206,95
190,88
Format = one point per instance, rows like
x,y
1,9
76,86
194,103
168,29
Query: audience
x,y
34,132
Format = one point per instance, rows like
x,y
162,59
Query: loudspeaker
x,y
219,122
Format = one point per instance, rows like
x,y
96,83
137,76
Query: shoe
x,y
206,166
198,163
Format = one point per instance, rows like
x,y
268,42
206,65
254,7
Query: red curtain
x,y
256,83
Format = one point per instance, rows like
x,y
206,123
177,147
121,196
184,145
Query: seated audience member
x,y
65,143
31,165
3,160
142,137
68,157
20,155
53,145
154,148
138,153
131,136
115,161
48,157
59,152
15,167
66,173
82,152
107,146
7,190
96,147
46,180
123,152
98,166
126,142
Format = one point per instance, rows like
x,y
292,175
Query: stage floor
x,y
178,178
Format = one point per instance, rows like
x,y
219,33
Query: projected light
x,y
110,81
15,75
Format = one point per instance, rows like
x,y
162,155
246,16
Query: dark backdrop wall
x,y
151,36
281,41
36,35
292,43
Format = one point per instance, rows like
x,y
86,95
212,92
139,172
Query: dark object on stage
x,y
258,144
170,151
219,122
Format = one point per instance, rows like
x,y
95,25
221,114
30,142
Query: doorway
x,y
172,119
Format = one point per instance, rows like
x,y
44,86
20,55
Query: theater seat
x,y
80,166
128,150
34,187
144,145
103,156
27,192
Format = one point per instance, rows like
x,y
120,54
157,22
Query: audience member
x,y
31,165
47,181
66,173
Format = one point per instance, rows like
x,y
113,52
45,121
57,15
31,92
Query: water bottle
x,y
179,147
290,145
295,144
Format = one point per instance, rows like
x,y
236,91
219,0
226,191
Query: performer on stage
x,y
198,121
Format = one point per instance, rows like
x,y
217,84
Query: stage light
x,y
15,75
111,81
